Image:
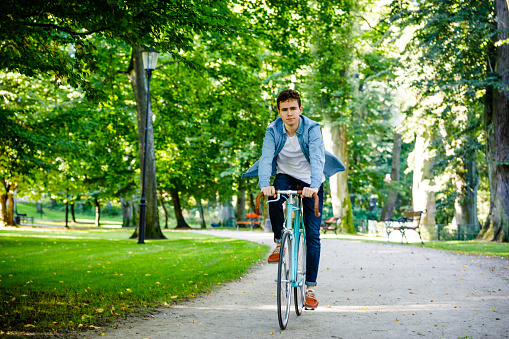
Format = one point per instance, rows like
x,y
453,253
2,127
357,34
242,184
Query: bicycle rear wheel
x,y
300,290
284,283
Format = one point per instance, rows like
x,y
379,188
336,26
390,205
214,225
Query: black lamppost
x,y
149,64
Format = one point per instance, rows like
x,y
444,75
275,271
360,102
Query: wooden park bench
x,y
330,224
411,221
253,219
20,218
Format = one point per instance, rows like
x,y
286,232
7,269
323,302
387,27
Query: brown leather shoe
x,y
311,302
274,257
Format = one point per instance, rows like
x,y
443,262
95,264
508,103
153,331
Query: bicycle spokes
x,y
300,289
284,281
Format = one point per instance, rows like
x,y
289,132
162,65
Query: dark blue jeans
x,y
311,222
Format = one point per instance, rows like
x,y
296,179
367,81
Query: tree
x,y
496,124
455,38
140,89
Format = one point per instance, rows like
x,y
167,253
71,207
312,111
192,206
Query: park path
x,y
365,290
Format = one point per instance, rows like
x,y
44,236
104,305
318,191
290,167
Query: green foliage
x,y
208,117
223,64
68,279
22,144
58,37
451,55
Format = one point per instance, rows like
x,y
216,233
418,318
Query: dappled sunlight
x,y
39,236
488,297
386,308
226,307
382,238
330,309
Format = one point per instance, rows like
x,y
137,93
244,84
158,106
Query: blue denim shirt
x,y
311,143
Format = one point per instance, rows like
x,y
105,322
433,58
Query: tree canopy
x,y
420,85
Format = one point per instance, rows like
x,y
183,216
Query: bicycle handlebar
x,y
317,212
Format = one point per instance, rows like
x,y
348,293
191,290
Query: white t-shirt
x,y
292,161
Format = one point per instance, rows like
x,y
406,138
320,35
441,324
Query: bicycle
x,y
292,257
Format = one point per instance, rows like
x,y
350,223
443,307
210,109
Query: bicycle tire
x,y
284,283
300,290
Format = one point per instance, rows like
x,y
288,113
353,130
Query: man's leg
x,y
277,217
312,224
276,213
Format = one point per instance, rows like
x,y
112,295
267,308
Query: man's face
x,y
290,111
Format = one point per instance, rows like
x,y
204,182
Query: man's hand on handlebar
x,y
269,191
307,192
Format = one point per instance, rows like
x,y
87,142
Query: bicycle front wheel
x,y
284,281
300,290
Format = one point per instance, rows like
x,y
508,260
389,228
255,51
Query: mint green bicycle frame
x,y
294,228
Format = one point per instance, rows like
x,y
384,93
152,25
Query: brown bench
x,y
330,224
411,221
253,220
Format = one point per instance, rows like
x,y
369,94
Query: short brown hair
x,y
288,94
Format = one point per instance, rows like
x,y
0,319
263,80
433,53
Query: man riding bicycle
x,y
293,152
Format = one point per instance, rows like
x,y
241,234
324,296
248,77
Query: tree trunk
x,y
67,209
181,223
7,200
135,209
335,140
124,206
140,89
10,209
161,201
225,212
202,215
392,196
423,194
127,213
3,200
97,213
496,125
467,182
38,207
3,207
73,214
241,203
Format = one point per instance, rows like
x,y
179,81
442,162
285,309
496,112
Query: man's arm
x,y
316,156
265,164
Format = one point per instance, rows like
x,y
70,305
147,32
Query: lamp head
x,y
149,59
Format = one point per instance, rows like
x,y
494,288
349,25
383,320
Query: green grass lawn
x,y
65,280
496,249
488,248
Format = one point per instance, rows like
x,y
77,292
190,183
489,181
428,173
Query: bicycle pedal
x,y
309,308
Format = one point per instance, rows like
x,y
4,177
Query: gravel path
x,y
365,290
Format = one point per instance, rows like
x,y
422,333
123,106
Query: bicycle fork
x,y
294,233
297,233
